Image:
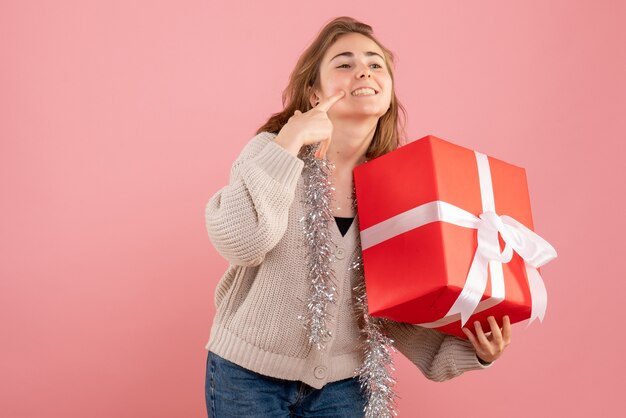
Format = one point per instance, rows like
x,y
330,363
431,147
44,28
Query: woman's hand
x,y
309,128
490,347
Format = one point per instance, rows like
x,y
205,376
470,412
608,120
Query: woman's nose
x,y
364,73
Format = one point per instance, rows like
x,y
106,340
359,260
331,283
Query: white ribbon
x,y
534,250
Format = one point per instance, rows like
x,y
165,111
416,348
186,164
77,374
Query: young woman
x,y
291,336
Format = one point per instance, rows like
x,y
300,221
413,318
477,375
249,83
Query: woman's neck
x,y
349,145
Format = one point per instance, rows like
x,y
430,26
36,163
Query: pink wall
x,y
118,120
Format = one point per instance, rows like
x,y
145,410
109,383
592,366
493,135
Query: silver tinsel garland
x,y
318,191
375,374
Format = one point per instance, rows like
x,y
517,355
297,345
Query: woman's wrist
x,y
290,144
483,362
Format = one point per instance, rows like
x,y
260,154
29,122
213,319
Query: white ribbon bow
x,y
534,250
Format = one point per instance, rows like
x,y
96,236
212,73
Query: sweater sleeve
x,y
439,356
247,218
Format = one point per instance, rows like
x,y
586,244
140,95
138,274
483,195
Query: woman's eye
x,y
344,65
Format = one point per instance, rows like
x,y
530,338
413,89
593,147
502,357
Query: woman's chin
x,y
362,113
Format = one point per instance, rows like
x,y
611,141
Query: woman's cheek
x,y
334,89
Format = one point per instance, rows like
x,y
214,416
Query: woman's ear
x,y
313,98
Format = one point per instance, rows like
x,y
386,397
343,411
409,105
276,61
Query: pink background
x,y
119,119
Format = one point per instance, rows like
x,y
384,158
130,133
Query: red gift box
x,y
446,236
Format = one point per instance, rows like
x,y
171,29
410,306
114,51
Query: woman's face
x,y
352,62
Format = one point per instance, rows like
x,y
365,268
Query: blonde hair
x,y
390,130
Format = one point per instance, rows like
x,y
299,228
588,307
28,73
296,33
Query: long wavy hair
x,y
390,131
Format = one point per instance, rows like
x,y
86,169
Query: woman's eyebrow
x,y
350,54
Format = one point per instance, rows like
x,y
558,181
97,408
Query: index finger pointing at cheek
x,y
327,104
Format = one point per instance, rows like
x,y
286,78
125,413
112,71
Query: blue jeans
x,y
232,391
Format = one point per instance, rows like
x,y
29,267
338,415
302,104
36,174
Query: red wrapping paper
x,y
416,276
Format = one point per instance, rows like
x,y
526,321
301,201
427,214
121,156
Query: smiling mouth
x,y
364,92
